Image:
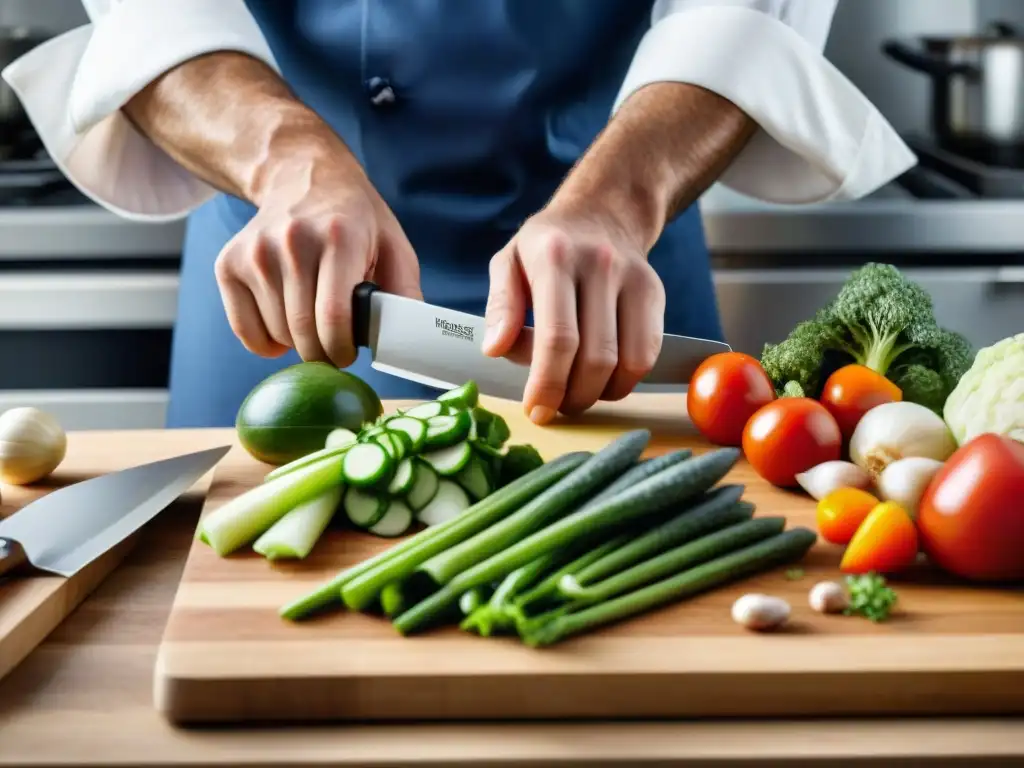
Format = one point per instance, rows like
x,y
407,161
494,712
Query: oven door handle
x,y
88,301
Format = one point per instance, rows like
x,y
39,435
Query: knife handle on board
x,y
12,556
361,312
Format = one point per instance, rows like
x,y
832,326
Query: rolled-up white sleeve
x,y
820,138
73,87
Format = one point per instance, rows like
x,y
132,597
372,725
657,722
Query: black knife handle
x,y
12,555
361,313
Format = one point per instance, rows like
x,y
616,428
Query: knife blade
x,y
441,347
67,529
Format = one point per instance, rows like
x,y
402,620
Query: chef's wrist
x,y
605,192
297,148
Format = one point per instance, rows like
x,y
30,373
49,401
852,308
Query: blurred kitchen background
x,y
88,301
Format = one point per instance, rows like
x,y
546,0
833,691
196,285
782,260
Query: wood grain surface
x,y
84,697
31,605
227,656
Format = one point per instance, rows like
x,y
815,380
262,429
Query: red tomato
x,y
724,393
854,390
789,436
971,516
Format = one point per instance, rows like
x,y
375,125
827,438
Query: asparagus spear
x,y
785,547
677,484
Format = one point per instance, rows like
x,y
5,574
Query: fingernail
x,y
541,414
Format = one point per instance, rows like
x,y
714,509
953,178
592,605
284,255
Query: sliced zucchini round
x,y
446,430
448,461
396,520
405,477
424,486
366,464
364,508
449,501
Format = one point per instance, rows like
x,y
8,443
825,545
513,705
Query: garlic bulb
x,y
894,431
904,481
819,481
32,445
760,612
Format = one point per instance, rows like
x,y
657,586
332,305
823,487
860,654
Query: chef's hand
x,y
598,310
287,278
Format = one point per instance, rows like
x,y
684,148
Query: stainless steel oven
x,y
87,304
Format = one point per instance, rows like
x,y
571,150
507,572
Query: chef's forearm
x,y
663,148
232,121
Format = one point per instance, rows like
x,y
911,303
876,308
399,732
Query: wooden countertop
x,y
84,698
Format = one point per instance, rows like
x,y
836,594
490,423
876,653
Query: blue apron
x,y
466,115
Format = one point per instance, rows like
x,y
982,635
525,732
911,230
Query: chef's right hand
x,y
287,278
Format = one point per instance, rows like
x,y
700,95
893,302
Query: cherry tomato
x,y
854,390
885,542
789,436
971,516
724,393
841,512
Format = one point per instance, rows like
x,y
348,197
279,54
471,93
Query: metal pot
x,y
14,123
977,90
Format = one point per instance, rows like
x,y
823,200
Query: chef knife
x,y
441,347
67,529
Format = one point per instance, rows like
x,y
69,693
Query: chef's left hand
x,y
598,309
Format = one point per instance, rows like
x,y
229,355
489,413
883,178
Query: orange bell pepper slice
x,y
886,542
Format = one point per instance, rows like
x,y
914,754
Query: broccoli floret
x,y
883,321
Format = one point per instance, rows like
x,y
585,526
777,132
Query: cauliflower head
x,y
990,396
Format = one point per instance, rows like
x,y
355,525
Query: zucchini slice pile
x,y
576,543
426,464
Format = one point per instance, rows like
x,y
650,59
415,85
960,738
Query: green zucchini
x,y
462,397
474,478
449,461
415,430
404,478
364,508
450,501
424,485
366,464
397,519
446,430
426,410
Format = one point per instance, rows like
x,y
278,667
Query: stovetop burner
x,y
941,173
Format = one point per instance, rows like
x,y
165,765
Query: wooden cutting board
x,y
226,656
32,605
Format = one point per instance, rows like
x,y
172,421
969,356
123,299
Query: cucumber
x,y
415,431
449,501
340,437
474,478
367,435
366,464
364,508
443,431
304,461
395,446
462,397
426,410
424,486
404,479
397,520
448,461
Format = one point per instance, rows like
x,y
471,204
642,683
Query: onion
x,y
894,431
904,481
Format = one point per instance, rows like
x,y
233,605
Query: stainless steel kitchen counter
x,y
889,222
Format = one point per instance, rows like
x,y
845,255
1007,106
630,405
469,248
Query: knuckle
x,y
602,358
604,261
560,340
557,249
260,256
